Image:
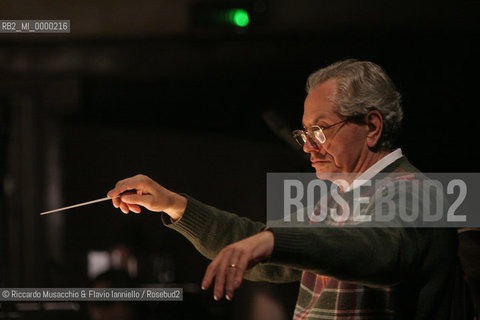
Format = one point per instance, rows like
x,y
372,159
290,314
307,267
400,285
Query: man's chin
x,y
322,175
336,177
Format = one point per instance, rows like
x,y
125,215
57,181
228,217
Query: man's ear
x,y
374,122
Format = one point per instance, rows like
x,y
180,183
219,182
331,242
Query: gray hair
x,y
363,86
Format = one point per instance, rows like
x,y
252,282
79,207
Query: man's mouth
x,y
315,161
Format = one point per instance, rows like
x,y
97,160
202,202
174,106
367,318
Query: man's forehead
x,y
319,104
313,119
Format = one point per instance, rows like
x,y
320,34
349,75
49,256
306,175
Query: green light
x,y
238,17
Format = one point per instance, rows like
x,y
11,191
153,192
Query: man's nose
x,y
311,146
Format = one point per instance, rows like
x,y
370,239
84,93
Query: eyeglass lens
x,y
316,136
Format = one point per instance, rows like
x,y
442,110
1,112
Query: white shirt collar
x,y
376,168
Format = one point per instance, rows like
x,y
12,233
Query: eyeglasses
x,y
314,133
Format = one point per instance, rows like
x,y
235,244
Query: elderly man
x,y
352,114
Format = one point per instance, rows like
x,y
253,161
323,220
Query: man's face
x,y
345,146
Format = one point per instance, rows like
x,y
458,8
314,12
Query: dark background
x,y
147,87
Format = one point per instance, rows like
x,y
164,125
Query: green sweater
x,y
345,273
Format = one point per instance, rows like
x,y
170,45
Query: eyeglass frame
x,y
306,133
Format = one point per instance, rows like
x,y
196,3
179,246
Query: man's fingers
x,y
119,188
233,270
209,274
139,182
116,202
242,266
124,207
220,274
131,205
229,289
217,269
134,208
144,200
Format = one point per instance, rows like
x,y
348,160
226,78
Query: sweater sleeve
x,y
210,230
371,256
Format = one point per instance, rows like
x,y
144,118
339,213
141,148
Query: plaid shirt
x,y
322,297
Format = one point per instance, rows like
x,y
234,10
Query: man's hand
x,y
232,261
147,193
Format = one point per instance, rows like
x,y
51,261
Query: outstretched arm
x,y
221,236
